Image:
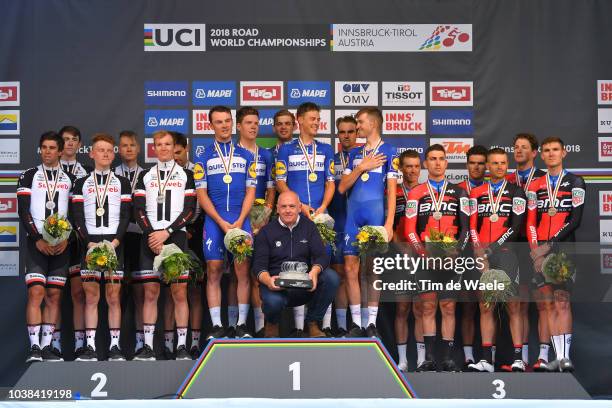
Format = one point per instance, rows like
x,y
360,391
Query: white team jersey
x,y
32,183
178,185
132,175
75,168
116,193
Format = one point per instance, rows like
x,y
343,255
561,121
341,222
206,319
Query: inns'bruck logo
x,y
175,37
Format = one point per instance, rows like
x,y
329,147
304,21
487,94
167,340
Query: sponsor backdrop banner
x,y
459,73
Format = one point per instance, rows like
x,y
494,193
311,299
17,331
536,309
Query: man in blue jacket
x,y
292,237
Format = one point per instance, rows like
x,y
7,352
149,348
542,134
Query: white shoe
x,y
403,367
482,366
518,366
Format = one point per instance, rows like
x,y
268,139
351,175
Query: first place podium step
x,y
286,368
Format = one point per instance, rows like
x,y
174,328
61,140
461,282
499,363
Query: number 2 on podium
x,y
294,368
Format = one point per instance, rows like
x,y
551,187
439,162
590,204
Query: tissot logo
x,y
403,93
175,37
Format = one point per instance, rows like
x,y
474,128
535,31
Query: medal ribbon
x,y
552,195
497,201
99,200
437,204
51,192
159,186
312,166
227,166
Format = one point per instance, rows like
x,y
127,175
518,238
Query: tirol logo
x,y
403,93
175,37
605,148
356,93
9,93
604,92
308,91
166,93
451,122
451,94
201,124
325,126
445,36
174,120
8,205
264,93
455,148
9,122
605,203
404,122
214,93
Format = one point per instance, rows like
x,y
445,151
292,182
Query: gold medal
x,y
100,212
365,177
227,179
312,177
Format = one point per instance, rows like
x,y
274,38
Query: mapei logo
x,y
403,93
211,93
9,93
174,120
451,122
356,93
166,93
266,121
9,122
447,37
456,148
175,37
308,91
8,205
451,93
266,93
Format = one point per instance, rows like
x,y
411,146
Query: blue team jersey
x,y
225,197
374,188
292,167
337,208
264,166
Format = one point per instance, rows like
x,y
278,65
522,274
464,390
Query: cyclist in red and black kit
x,y
476,166
443,207
554,205
498,213
525,151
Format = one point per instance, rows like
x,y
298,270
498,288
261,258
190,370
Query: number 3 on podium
x,y
500,391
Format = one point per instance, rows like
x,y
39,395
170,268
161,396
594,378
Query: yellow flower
x,y
363,237
447,239
260,201
62,224
101,261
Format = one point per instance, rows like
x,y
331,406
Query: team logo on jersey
x,y
473,205
532,200
395,163
198,171
465,205
253,170
411,208
332,168
281,169
577,197
518,205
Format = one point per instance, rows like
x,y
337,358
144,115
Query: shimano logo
x,y
152,93
452,122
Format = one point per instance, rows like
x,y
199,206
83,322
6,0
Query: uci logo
x,y
174,37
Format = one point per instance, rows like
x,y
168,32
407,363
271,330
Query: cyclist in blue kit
x,y
372,172
226,192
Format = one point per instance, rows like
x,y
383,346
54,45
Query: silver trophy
x,y
294,275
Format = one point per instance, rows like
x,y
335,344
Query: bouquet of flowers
x,y
239,243
557,268
171,263
56,229
439,244
196,270
498,277
325,225
372,239
102,258
259,215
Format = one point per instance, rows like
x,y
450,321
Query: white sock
x,y
259,318
215,315
544,348
195,338
169,339
232,315
557,342
493,350
420,353
114,333
243,313
365,314
91,338
298,317
525,352
149,333
567,343
139,339
181,332
55,340
355,314
34,334
46,335
79,339
401,351
341,318
327,318
468,351
372,315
